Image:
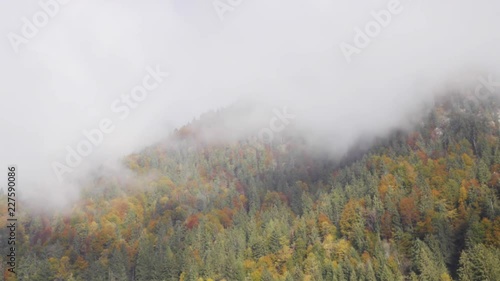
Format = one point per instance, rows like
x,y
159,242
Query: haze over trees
x,y
418,205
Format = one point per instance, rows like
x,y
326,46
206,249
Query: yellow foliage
x,y
266,260
93,227
62,267
387,183
54,263
311,264
164,200
445,277
467,160
365,257
341,248
350,217
328,244
165,182
248,264
81,264
256,275
463,192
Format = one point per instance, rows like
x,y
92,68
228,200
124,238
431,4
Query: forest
x,y
419,204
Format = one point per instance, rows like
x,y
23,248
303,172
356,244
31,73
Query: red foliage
x,y
409,211
43,236
422,156
192,221
412,140
322,218
225,217
386,223
240,188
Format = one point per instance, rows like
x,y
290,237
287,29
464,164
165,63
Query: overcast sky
x,y
80,60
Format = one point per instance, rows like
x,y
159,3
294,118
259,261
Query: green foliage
x,y
421,205
480,263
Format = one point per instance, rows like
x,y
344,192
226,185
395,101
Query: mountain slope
x,y
419,205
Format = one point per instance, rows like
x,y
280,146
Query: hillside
x,y
421,204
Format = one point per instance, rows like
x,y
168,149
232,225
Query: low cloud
x,y
63,81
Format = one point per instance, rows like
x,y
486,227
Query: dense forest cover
x,y
421,204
